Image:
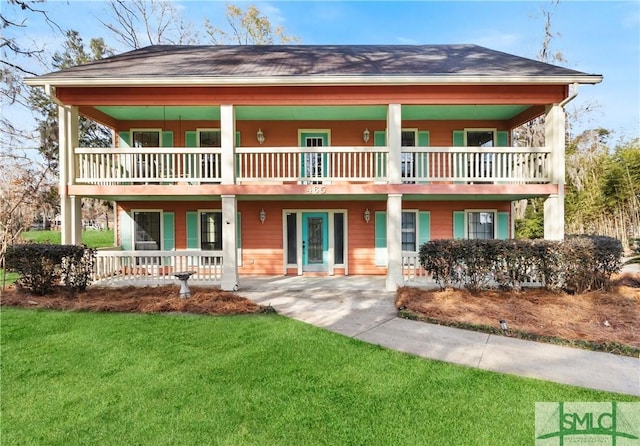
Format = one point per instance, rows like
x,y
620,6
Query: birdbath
x,y
184,286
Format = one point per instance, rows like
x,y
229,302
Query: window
x,y
480,164
147,231
292,239
146,138
408,139
313,161
409,231
481,225
208,164
211,231
338,238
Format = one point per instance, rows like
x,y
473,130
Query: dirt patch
x,y
160,299
597,317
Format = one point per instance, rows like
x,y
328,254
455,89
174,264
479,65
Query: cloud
x,y
406,41
498,40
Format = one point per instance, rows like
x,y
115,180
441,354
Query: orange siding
x,y
262,244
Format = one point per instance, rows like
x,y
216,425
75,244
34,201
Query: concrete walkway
x,y
359,307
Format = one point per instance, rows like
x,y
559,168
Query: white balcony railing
x,y
423,165
156,266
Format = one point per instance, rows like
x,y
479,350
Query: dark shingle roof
x,y
287,61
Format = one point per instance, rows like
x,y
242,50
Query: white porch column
x,y
228,142
394,142
555,139
76,220
229,244
394,242
68,139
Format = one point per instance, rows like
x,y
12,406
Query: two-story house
x,y
322,159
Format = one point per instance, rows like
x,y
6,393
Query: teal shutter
x,y
503,138
381,238
424,228
458,164
380,140
124,139
458,225
191,138
237,139
422,159
169,231
502,232
126,241
192,230
167,139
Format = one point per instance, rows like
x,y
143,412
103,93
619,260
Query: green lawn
x,y
93,239
84,378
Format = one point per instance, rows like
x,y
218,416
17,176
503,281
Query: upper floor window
x,y
146,138
480,137
209,138
408,139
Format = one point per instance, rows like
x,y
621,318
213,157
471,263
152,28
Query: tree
x,y
139,23
248,27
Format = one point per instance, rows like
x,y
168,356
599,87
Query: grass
x,y
83,378
93,239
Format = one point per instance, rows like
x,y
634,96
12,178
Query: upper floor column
x,y
227,142
394,142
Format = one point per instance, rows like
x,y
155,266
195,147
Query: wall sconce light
x,y
260,136
262,216
367,215
365,135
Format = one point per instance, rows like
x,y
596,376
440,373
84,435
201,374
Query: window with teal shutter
x,y
124,139
502,231
168,236
126,241
458,164
381,238
458,225
380,140
422,159
167,139
424,228
192,230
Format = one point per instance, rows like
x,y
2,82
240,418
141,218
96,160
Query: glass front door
x,y
315,241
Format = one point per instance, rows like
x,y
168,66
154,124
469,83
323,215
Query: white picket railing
x,y
156,266
424,165
147,165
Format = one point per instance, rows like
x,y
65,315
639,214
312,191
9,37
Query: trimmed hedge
x,y
577,264
43,266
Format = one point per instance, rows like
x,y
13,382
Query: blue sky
x,y
599,37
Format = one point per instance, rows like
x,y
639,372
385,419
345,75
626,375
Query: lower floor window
x,y
408,231
211,231
480,225
147,231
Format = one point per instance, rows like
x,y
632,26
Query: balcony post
x,y
227,143
394,242
394,142
68,139
555,140
229,280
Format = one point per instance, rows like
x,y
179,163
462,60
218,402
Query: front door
x,y
315,241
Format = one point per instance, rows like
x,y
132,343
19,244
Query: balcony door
x,y
314,167
315,241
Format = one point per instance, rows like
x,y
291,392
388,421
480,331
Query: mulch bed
x,y
598,317
160,299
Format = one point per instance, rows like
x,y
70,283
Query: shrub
x,y
42,266
577,265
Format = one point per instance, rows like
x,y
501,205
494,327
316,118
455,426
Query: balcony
x,y
297,165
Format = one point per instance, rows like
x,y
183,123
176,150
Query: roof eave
x,y
148,81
